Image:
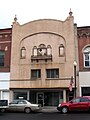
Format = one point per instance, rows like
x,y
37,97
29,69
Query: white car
x,y
23,106
3,105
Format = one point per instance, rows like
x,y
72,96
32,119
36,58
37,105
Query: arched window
x,y
42,49
23,52
49,50
86,54
34,51
61,50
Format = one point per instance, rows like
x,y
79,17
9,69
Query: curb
x,y
49,110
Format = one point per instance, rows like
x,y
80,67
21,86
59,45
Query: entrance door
x,y
40,99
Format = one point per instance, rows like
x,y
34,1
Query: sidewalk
x,y
49,109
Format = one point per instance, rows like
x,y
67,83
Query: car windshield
x,y
14,102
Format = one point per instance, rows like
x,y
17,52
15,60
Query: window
x,y
76,100
35,74
35,51
87,57
84,100
2,58
22,102
14,102
49,50
61,50
23,52
42,50
52,73
18,95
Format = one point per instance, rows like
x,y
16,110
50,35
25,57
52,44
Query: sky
x,y
30,10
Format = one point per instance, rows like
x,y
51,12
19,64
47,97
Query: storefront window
x,y
18,95
51,98
85,91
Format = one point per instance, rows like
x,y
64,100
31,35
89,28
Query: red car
x,y
76,104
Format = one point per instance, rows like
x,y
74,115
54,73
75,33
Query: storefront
x,y
4,85
44,97
84,83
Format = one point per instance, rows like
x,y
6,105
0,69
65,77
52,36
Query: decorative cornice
x,y
83,34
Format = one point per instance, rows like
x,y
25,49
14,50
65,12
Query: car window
x,y
76,100
21,102
84,100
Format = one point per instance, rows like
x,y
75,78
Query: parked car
x,y
23,106
3,105
76,104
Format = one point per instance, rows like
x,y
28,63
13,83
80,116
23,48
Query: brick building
x,y
5,56
84,59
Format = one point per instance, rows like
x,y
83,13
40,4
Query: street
x,y
44,116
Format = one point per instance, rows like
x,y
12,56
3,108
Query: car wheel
x,y
27,110
2,110
64,110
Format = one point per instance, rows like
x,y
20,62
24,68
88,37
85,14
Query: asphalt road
x,y
45,116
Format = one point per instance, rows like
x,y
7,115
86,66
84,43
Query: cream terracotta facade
x,y
47,32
